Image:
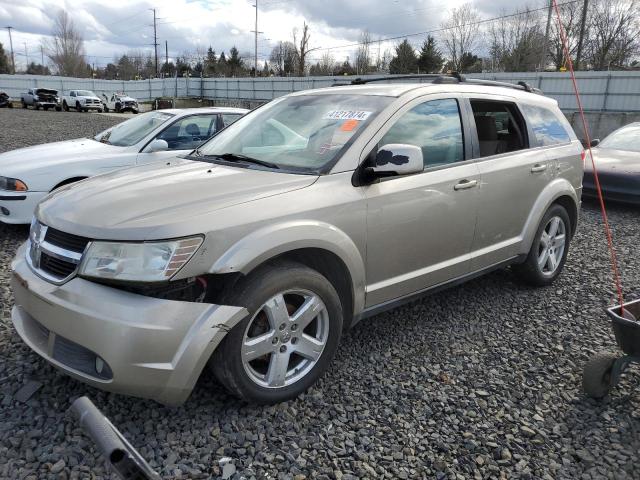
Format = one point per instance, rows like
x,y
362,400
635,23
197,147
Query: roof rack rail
x,y
446,78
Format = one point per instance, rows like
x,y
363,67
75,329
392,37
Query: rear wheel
x,y
288,339
78,107
65,106
549,250
117,108
106,109
24,105
596,375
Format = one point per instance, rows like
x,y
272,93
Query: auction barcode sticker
x,y
347,115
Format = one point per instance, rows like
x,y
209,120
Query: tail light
x,y
583,155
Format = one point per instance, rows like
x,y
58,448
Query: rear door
x,y
514,170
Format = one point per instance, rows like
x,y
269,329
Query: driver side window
x,y
189,132
433,126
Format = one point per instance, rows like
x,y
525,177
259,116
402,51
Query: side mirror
x,y
157,145
595,142
398,159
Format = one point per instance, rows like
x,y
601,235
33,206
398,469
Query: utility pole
x,y
255,72
13,60
42,54
26,56
155,39
583,22
545,47
166,55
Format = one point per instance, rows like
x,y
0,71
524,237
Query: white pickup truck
x,y
81,100
119,102
40,97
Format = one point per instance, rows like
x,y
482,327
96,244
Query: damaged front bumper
x,y
115,340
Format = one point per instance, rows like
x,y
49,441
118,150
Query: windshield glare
x,y
627,138
304,133
132,131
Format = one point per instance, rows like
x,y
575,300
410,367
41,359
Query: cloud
x,y
112,28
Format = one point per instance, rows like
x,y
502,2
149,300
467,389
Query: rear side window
x,y
500,127
435,127
229,118
547,127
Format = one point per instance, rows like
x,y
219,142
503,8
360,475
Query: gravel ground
x,y
480,381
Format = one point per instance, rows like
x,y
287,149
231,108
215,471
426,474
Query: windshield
x,y
627,138
304,133
132,131
85,93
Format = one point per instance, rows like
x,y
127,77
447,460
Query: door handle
x,y
465,184
539,167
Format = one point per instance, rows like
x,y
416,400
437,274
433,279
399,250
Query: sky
x,y
117,26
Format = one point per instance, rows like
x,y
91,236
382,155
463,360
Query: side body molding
x,y
273,240
557,188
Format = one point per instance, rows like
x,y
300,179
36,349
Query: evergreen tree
x,y
211,63
405,60
235,62
430,60
4,61
222,65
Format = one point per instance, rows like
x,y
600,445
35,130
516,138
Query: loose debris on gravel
x,y
479,381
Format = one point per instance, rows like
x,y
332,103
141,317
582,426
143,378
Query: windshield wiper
x,y
236,157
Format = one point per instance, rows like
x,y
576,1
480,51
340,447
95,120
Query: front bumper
x,y
20,206
146,347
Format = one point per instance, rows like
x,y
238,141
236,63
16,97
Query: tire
x,y
10,105
299,287
530,271
85,110
78,107
117,109
65,106
37,107
596,374
58,108
24,105
45,109
106,109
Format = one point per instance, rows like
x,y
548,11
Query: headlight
x,y
138,262
12,184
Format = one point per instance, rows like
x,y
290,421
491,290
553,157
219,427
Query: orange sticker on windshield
x,y
349,125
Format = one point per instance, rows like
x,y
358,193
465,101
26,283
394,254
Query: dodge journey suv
x,y
252,254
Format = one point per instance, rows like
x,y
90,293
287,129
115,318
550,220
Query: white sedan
x,y
27,175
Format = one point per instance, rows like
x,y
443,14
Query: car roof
x,y
415,89
187,111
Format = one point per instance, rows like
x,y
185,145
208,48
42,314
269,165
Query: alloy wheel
x,y
285,338
551,246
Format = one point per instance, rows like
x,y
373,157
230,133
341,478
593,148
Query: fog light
x,y
5,211
99,364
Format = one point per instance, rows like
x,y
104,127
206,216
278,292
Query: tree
x,y
405,60
167,70
283,58
460,34
66,48
4,61
235,63
37,69
430,60
570,14
211,63
346,68
516,43
302,48
110,72
614,33
223,68
362,54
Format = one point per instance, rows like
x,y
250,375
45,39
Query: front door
x,y
420,227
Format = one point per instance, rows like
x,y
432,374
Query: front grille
x,y
56,267
67,241
54,255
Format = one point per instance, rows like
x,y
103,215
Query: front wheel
x,y
65,106
106,109
549,249
288,339
24,105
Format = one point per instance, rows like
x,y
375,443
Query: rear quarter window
x,y
548,127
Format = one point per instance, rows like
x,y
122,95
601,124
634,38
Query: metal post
x,y
583,22
545,47
255,73
166,54
606,92
155,39
13,59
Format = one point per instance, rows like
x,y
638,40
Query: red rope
x,y
612,251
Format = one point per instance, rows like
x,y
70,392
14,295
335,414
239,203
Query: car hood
x,y
148,202
126,99
20,162
88,97
611,161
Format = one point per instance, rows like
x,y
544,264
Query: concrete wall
x,y
601,124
